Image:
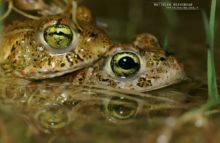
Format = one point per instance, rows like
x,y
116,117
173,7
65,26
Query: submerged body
x,y
50,47
141,65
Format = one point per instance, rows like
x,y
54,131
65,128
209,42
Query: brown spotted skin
x,y
25,55
157,69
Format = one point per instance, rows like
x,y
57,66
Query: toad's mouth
x,y
47,74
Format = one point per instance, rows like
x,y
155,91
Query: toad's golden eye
x,y
58,36
125,64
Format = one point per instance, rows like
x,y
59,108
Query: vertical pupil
x,y
127,63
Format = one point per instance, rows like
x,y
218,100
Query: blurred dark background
x,y
183,30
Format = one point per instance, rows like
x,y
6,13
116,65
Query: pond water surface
x,y
56,112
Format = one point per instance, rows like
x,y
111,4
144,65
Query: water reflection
x,y
53,117
121,108
70,112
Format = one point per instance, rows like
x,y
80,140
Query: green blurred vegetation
x,y
213,96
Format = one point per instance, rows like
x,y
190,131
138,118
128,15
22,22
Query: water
x,y
53,112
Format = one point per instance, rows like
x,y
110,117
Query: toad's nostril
x,y
93,35
162,58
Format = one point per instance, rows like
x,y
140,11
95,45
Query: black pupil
x,y
123,110
58,33
127,63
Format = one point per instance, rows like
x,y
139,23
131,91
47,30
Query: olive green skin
x,y
26,54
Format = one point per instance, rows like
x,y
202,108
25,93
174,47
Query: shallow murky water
x,y
50,112
56,112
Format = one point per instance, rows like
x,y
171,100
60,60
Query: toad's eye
x,y
125,64
58,36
